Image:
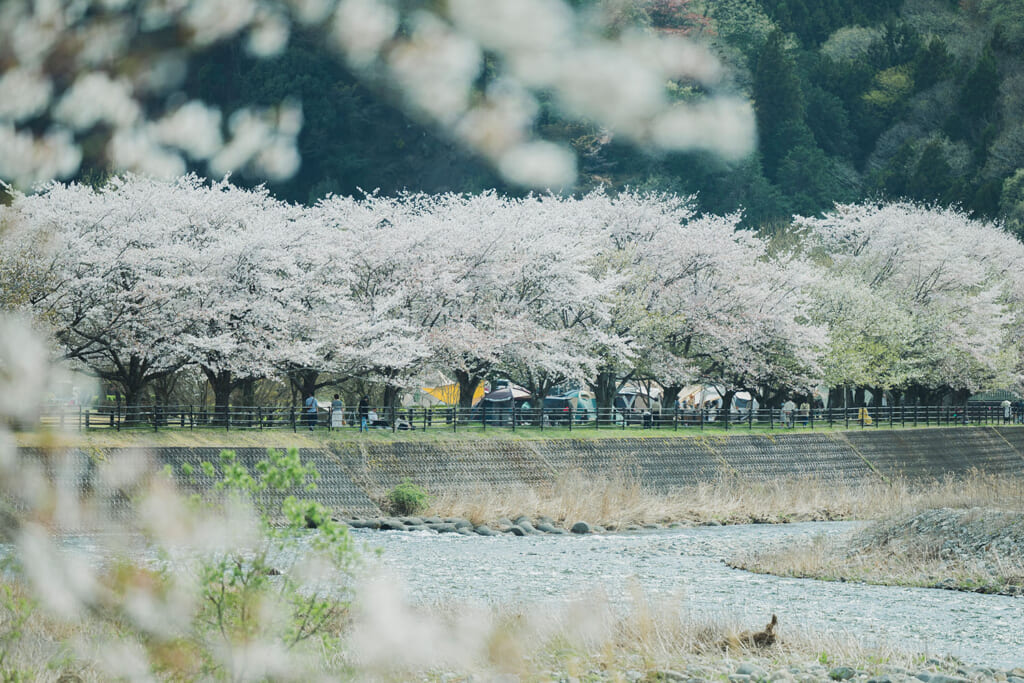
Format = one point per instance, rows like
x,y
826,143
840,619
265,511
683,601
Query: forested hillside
x,y
919,99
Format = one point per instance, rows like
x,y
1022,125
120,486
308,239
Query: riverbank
x,y
976,549
620,501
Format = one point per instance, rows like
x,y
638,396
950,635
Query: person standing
x,y
1007,410
337,413
788,408
311,408
364,414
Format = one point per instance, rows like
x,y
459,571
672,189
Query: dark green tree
x,y
778,103
933,178
981,89
932,63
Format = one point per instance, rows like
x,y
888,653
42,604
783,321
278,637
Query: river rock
x,y
523,519
581,528
391,524
842,673
929,677
752,670
503,521
484,530
411,521
526,526
461,523
444,528
417,527
433,520
652,525
598,529
669,675
365,524
546,527
465,530
544,519
517,530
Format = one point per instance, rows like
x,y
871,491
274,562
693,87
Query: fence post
x,y
86,418
514,411
810,415
703,410
483,415
570,418
291,416
846,415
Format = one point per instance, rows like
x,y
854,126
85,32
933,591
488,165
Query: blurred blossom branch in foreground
x,y
107,69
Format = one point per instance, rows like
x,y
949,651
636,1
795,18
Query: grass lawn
x,y
303,438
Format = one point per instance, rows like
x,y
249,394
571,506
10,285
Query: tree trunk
x,y
835,397
390,403
877,394
468,381
726,410
605,388
305,381
670,397
222,384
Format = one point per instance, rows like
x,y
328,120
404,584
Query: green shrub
x,y
406,499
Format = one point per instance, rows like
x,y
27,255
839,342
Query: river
x,y
509,570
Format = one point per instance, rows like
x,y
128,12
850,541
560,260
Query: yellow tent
x,y
449,393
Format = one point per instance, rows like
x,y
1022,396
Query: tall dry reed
x,y
619,498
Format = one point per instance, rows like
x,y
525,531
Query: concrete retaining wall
x,y
355,473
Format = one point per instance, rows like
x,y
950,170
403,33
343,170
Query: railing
x,y
440,418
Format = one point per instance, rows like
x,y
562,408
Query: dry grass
x,y
976,549
593,639
833,560
619,499
543,642
40,647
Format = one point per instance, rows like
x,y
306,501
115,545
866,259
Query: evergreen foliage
x,y
853,100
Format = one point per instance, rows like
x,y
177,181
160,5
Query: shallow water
x,y
686,565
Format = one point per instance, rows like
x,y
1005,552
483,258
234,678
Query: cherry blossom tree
x,y
919,299
730,313
104,282
505,284
702,301
374,263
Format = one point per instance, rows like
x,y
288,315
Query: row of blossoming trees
x,y
142,278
